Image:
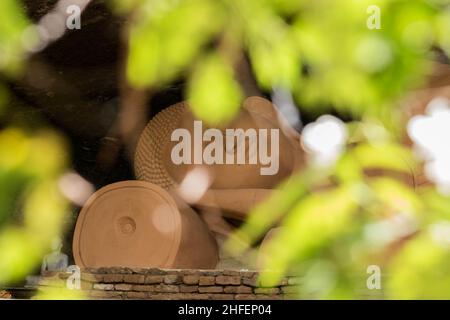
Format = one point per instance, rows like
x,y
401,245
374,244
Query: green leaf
x,y
265,215
390,156
314,223
276,63
396,195
437,204
12,26
420,271
166,37
213,93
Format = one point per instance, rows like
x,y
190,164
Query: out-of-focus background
x,y
367,83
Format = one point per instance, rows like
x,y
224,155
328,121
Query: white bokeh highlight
x,y
324,140
440,233
75,188
195,184
430,134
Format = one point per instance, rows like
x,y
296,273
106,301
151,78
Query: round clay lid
x,y
129,223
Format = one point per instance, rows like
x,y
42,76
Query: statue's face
x,y
260,139
56,244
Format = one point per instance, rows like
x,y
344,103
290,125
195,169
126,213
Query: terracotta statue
x,y
55,261
235,186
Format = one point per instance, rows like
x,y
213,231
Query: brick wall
x,y
127,283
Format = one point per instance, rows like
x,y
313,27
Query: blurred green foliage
x,y
13,23
336,220
322,50
32,210
59,294
346,219
224,103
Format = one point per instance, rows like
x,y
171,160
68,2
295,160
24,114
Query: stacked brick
x,y
128,283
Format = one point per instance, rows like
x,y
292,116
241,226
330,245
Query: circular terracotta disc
x,y
130,223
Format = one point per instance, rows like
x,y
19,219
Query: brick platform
x,y
128,283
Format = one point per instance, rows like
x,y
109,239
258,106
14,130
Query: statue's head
x,y
56,244
252,151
